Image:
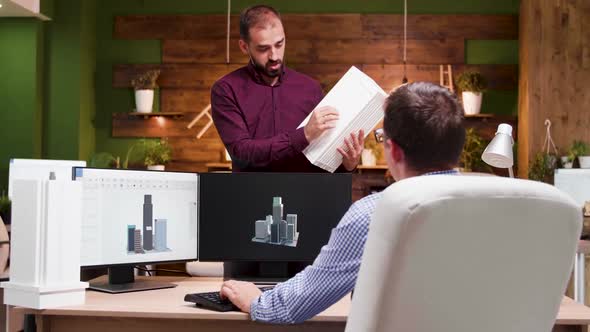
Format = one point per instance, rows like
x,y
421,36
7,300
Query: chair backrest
x,y
466,253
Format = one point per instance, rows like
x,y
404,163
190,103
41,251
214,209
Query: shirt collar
x,y
447,172
257,77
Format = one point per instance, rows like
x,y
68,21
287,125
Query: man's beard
x,y
265,69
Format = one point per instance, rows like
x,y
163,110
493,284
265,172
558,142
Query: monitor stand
x,y
122,280
262,272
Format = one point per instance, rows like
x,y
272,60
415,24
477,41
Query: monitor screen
x,y
131,216
33,169
274,217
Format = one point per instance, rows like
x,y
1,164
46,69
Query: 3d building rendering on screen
x,y
152,241
275,230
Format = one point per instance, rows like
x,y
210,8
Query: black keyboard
x,y
212,300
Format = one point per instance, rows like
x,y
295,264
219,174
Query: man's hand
x,y
241,293
352,149
321,119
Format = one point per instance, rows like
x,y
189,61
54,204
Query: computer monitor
x,y
269,218
132,217
32,169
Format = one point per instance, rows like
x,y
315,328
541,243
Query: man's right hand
x,y
322,119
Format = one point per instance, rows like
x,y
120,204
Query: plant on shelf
x,y
144,85
372,152
580,150
543,167
104,160
472,85
157,153
5,208
473,148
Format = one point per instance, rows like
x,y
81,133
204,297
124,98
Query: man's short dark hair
x,y
426,121
253,16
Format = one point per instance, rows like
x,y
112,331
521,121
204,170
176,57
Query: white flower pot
x,y
472,102
144,99
156,167
368,158
584,161
566,163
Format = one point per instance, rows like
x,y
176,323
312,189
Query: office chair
x,y
466,253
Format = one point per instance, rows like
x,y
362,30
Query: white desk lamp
x,y
499,152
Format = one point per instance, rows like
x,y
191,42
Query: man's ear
x,y
243,47
397,154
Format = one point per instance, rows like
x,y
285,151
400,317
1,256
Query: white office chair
x,y
466,253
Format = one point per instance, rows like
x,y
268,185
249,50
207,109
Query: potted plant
x,y
5,208
472,85
371,153
580,149
543,167
576,149
157,154
144,86
472,150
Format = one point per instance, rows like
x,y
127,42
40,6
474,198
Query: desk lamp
x,y
499,152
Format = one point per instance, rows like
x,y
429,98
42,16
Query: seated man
x,y
423,134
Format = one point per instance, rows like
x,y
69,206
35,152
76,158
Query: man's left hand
x,y
352,150
241,293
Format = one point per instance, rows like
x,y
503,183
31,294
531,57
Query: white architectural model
x,y
274,229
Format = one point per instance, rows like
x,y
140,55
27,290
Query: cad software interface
x,y
137,216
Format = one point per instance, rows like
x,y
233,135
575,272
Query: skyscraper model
x,y
274,229
148,208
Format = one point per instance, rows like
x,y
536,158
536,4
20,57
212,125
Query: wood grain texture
x,y
336,51
184,100
555,82
202,76
441,26
322,26
125,125
174,75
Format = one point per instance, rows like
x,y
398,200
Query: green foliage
x,y
156,152
578,148
104,160
472,150
543,167
471,81
146,80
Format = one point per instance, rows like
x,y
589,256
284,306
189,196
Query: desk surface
x,y
169,304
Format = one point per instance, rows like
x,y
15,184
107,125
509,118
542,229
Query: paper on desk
x,y
359,101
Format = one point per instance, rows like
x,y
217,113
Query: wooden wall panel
x,y
184,100
500,77
175,75
322,26
555,82
337,51
441,26
202,76
126,125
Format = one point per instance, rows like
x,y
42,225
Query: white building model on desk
x,y
275,230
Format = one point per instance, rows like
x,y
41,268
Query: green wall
x,y
70,106
21,93
110,51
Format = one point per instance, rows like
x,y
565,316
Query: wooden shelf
x,y
372,167
174,115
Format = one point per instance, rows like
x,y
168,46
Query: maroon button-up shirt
x,y
257,122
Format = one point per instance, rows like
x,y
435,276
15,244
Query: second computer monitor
x,y
269,217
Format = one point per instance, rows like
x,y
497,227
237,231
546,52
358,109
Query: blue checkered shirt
x,y
331,276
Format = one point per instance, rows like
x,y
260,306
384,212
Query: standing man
x,y
423,134
257,108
